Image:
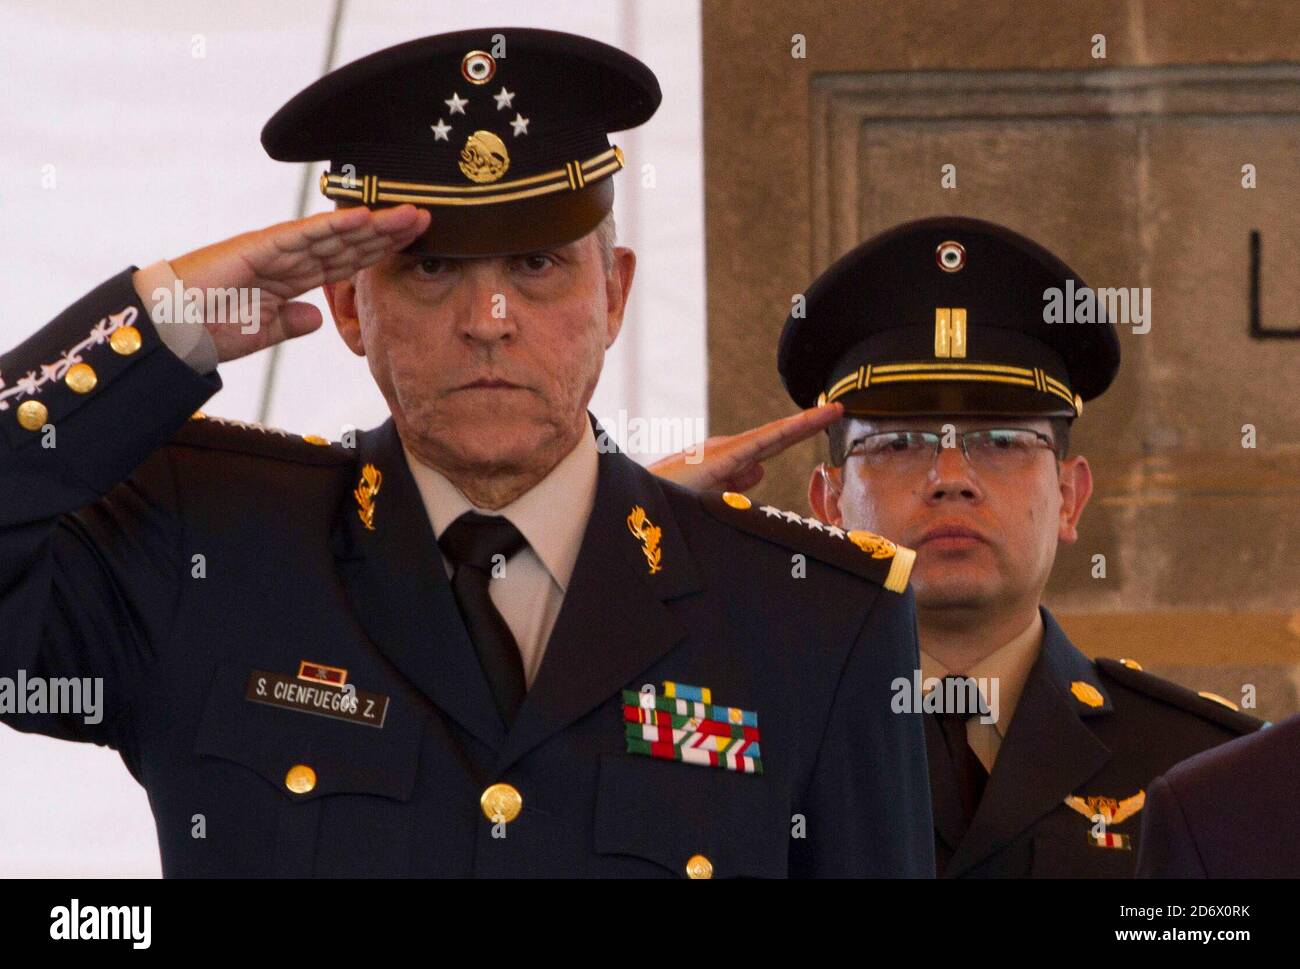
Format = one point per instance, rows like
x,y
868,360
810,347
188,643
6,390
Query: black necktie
x,y
968,773
472,542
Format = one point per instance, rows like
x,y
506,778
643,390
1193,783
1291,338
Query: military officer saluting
x,y
958,401
469,642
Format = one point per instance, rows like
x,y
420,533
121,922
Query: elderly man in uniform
x,y
957,400
468,642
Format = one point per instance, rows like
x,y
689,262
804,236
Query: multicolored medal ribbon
x,y
684,724
1110,839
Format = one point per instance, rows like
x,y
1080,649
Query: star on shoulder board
x,y
859,551
226,434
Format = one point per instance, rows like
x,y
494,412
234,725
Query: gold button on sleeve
x,y
81,378
125,340
301,779
32,414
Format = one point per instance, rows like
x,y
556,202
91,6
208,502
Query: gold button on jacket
x,y
699,867
301,779
501,802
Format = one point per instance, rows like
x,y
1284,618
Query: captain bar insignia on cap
x,y
950,331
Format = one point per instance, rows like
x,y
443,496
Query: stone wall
x,y
1130,167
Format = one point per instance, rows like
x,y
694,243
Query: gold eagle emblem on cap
x,y
484,157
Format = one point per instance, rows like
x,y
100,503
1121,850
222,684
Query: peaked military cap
x,y
501,133
946,316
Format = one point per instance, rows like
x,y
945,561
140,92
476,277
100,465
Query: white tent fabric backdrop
x,y
130,133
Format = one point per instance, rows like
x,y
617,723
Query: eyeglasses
x,y
997,450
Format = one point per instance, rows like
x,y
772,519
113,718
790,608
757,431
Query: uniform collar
x,y
1009,664
396,584
552,515
1074,674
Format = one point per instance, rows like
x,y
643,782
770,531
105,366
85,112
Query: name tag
x,y
339,702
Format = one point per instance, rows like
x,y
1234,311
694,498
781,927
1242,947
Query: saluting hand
x,y
734,463
286,260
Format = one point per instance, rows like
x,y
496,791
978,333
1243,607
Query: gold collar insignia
x,y
648,533
365,491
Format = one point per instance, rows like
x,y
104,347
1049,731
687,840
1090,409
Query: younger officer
x,y
958,399
468,642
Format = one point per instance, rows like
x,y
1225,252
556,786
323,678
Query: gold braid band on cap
x,y
371,189
869,375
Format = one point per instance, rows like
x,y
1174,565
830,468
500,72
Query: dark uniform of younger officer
x,y
301,643
942,321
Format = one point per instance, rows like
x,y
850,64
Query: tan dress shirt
x,y
1010,665
552,517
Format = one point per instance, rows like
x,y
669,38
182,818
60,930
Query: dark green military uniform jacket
x,y
288,676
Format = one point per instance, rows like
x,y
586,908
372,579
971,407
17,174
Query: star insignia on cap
x,y
770,511
433,116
